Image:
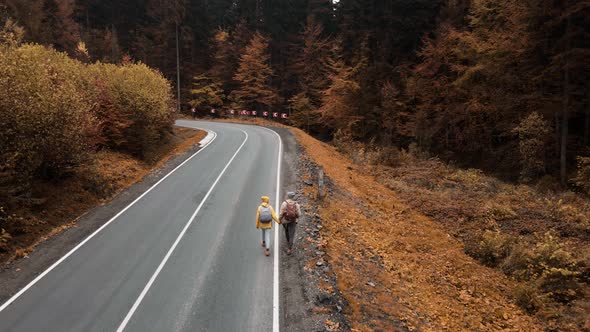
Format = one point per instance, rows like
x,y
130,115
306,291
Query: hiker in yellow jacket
x,y
265,214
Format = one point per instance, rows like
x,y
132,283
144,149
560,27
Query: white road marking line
x,y
39,277
276,293
190,221
207,139
275,284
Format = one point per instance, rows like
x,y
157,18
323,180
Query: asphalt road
x,y
185,256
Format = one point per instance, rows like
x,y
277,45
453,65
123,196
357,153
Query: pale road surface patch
x,y
216,278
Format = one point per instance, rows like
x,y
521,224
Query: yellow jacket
x,y
265,200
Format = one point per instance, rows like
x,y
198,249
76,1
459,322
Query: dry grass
x,y
538,236
423,279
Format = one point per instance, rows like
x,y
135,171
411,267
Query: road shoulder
x,y
309,297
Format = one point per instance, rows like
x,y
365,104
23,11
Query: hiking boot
x,y
288,251
267,252
263,243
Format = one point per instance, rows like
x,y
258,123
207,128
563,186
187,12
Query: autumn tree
x,y
28,14
224,58
156,42
11,34
311,62
254,74
50,22
396,117
470,89
206,92
454,76
563,74
533,132
61,25
41,97
339,108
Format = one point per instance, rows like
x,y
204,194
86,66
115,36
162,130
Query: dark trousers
x,y
290,233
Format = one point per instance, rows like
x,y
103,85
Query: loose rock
x,y
324,298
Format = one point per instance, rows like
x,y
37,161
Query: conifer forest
x,y
454,136
501,85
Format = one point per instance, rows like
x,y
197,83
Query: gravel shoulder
x,y
310,300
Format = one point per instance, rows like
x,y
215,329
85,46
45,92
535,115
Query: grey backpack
x,y
265,215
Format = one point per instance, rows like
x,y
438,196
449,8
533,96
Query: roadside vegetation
x,y
72,133
460,133
407,222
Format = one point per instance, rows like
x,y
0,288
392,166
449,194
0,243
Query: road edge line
x,y
176,242
88,238
275,288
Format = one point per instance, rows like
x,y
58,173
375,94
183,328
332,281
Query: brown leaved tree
x,y
254,76
224,58
312,62
339,100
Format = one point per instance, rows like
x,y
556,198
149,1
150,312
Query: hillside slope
x,y
399,269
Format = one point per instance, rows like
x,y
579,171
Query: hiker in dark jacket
x,y
288,214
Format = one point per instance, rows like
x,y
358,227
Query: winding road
x,y
183,256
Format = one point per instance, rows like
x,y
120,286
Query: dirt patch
x,y
57,205
396,268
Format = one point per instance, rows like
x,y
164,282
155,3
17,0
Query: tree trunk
x,y
177,70
557,132
565,117
587,124
564,134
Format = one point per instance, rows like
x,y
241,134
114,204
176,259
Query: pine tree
x,y
206,93
254,74
471,84
312,62
160,36
339,101
566,74
67,30
50,22
224,59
